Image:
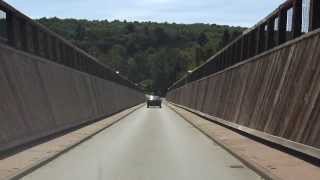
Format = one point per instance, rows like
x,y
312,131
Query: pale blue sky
x,y
229,12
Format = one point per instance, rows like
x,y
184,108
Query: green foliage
x,y
154,55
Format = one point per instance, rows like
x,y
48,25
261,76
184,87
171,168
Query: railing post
x,y
314,21
242,49
249,44
254,43
22,32
297,18
258,38
262,38
58,50
10,29
35,39
270,38
282,26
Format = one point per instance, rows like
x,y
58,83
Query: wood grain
x,y
277,93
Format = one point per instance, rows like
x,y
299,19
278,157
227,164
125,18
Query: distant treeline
x,y
152,54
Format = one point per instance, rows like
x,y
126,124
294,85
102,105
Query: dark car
x,y
154,101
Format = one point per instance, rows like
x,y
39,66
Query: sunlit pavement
x,y
150,144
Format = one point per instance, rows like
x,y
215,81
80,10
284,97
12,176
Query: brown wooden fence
x,y
273,87
277,92
47,85
19,31
291,20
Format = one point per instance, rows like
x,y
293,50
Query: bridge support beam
x,y
314,15
270,39
282,24
297,18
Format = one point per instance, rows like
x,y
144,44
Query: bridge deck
x,y
154,144
148,144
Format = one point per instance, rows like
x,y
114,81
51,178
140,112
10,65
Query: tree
x,y
153,54
80,32
160,35
130,28
117,59
225,39
235,34
202,39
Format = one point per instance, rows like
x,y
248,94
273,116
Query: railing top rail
x,y
265,21
116,77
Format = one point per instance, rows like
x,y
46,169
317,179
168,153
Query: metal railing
x,y
289,21
21,32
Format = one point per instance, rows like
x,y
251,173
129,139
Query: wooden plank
x,y
314,15
268,90
297,18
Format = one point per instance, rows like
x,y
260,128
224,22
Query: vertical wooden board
x,y
309,79
197,92
291,96
107,96
205,84
60,86
10,114
118,92
89,83
270,84
189,95
181,91
194,92
117,103
216,94
182,95
200,94
238,80
250,96
83,92
97,99
312,132
225,89
208,99
23,75
177,95
126,96
173,96
273,123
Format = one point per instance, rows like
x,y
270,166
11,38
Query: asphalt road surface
x,y
150,144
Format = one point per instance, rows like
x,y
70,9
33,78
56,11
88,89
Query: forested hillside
x,y
152,54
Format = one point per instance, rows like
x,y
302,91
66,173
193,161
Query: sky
x,y
227,12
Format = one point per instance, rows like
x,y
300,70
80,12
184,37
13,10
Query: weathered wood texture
x,y
39,98
277,92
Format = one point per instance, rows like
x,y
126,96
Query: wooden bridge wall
x,y
39,97
277,92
